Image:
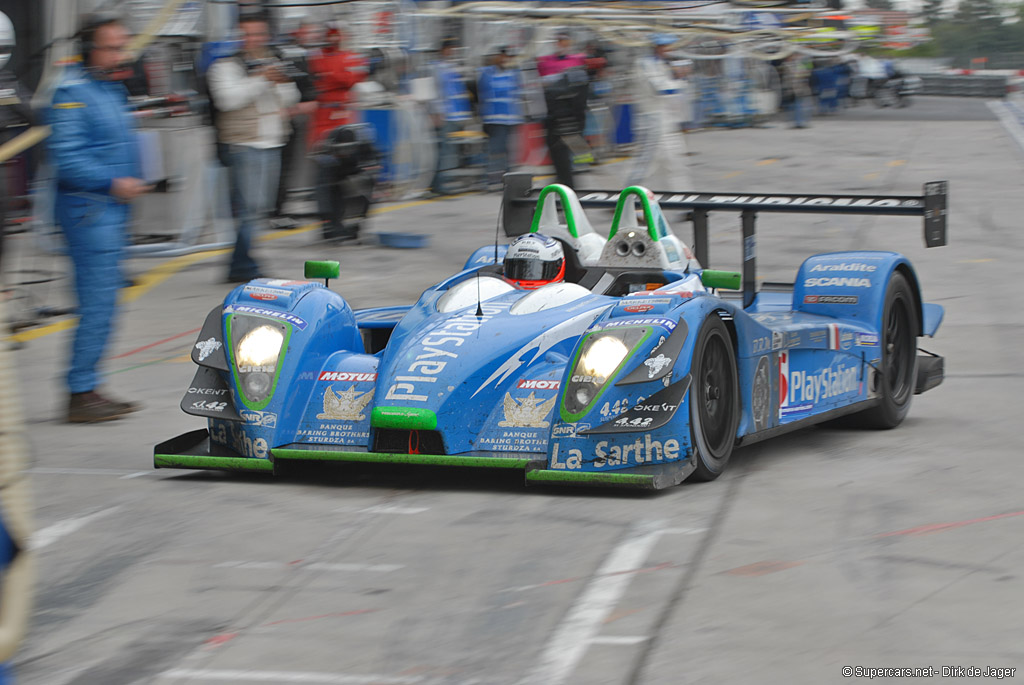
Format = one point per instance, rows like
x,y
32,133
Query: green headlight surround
x,y
256,406
565,414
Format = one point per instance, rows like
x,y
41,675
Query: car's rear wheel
x,y
714,400
897,371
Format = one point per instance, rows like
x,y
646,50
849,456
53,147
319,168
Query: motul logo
x,y
638,308
538,385
266,297
347,376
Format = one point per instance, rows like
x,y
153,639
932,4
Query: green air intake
x,y
325,269
403,418
726,280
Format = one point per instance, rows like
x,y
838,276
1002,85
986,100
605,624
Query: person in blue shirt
x,y
500,91
450,111
94,150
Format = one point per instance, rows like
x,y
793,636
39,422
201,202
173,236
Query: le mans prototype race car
x,y
641,369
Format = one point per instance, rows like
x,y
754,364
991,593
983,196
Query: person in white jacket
x,y
660,160
252,94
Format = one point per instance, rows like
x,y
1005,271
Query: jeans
x,y
799,107
254,175
447,157
499,139
561,155
94,226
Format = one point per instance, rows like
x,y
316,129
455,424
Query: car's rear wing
x,y
520,199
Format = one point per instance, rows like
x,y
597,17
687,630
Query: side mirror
x,y
726,280
325,270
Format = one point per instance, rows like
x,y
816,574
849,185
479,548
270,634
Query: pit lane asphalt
x,y
817,550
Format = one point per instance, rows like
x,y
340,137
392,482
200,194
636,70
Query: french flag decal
x,y
833,336
783,379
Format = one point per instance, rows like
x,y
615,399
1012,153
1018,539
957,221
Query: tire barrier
x,y
965,85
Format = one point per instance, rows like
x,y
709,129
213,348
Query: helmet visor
x,y
531,269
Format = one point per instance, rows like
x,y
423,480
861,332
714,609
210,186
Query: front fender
x,y
641,417
317,323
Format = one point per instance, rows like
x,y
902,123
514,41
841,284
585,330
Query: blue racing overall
x,y
92,143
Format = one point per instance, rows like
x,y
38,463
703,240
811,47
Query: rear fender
x,y
489,254
852,285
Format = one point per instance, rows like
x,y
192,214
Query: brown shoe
x,y
126,407
91,407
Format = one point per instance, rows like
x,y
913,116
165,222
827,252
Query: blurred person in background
x,y
17,563
796,88
335,70
566,86
15,110
450,110
94,150
252,94
683,70
17,560
500,93
595,128
660,160
296,53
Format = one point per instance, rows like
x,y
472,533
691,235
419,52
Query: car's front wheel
x,y
714,400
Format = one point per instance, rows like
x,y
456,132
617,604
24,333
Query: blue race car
x,y
640,369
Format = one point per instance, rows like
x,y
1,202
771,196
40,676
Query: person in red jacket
x,y
336,70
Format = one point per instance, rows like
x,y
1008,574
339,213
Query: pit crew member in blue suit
x,y
94,150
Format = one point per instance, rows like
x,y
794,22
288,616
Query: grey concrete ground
x,y
824,549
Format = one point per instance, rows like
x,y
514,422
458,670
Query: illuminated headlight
x,y
257,352
601,355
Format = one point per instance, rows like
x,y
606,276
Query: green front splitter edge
x,y
389,458
591,478
646,477
188,461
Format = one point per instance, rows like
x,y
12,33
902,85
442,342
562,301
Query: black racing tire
x,y
714,400
897,371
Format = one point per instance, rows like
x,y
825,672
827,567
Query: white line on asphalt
x,y
382,509
137,474
619,640
572,637
683,531
1006,115
49,535
47,470
289,677
315,566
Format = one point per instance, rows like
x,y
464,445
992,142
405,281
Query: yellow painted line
x,y
765,162
897,162
732,174
158,274
872,176
977,261
33,333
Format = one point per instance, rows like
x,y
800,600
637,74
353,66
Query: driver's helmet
x,y
534,260
6,39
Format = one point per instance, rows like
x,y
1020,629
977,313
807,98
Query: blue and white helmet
x,y
534,260
7,40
